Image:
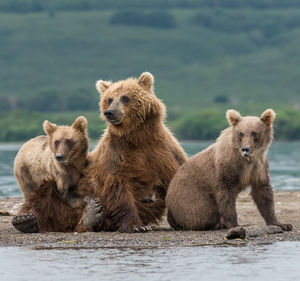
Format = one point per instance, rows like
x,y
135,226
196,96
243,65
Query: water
x,y
8,183
284,165
274,262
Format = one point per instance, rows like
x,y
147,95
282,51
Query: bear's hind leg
x,y
172,221
192,209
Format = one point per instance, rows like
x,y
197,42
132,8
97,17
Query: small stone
x,y
236,232
254,231
4,213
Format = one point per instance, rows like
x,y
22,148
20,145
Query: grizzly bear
x,y
44,210
60,157
202,195
136,156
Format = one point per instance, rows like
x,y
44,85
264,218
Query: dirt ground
x,y
287,206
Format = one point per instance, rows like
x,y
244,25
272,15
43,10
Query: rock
x,y
272,229
254,231
4,213
236,232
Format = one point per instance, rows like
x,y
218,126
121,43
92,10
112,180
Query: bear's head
x,y
68,143
126,105
251,135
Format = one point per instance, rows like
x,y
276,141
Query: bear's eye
x,y
255,136
56,143
241,135
110,100
69,143
125,99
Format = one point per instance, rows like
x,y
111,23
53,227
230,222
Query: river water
x,y
276,262
284,165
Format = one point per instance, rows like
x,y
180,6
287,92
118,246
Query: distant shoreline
x,y
287,207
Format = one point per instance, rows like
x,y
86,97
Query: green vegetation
x,y
205,124
152,19
25,6
23,125
206,56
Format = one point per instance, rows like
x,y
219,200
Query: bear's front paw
x,y
92,213
135,229
26,223
286,227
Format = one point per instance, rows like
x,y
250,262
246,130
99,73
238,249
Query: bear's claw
x,y
26,223
142,228
286,227
135,229
92,213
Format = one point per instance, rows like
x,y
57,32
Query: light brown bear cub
x,y
59,157
202,195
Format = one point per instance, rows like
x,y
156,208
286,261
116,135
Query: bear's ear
x,y
80,123
49,127
102,86
146,80
268,117
233,117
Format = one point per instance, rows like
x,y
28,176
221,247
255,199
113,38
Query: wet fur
x,y
134,156
52,213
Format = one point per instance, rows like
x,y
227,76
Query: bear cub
x,y
59,157
202,195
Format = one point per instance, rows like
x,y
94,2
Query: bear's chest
x,y
246,175
251,173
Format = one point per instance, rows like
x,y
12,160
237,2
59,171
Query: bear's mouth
x,y
247,156
114,121
64,161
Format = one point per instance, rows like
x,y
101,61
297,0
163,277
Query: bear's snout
x,y
245,150
59,157
109,113
113,116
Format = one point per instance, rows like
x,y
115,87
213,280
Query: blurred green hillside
x,y
206,56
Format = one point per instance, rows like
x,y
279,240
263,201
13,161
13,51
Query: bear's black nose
x,y
109,113
246,149
59,157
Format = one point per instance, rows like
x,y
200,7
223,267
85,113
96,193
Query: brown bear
x,y
202,195
44,210
136,156
60,157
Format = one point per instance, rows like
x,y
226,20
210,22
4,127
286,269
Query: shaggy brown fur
x,y
44,210
136,155
60,157
202,194
51,212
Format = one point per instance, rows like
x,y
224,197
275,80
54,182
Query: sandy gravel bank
x,y
287,205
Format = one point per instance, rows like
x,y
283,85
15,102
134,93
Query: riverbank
x,y
287,206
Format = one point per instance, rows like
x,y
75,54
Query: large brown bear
x,y
137,155
60,157
202,194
